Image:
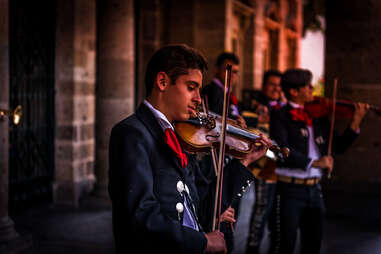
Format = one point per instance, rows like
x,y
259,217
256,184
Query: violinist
x,y
298,202
214,94
262,102
159,192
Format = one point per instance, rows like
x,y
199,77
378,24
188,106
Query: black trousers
x,y
264,197
297,206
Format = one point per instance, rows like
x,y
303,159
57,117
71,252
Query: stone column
x,y
10,240
74,100
7,231
299,31
115,78
259,31
248,69
149,36
211,34
283,50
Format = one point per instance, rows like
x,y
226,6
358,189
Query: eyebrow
x,y
191,82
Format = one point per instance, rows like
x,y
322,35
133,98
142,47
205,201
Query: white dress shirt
x,y
313,154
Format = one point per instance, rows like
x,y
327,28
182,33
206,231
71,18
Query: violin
x,y
203,132
321,107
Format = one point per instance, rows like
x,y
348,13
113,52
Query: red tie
x,y
171,140
275,106
233,99
298,114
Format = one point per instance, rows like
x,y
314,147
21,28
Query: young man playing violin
x,y
160,193
298,202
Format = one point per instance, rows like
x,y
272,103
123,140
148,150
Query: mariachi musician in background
x,y
214,91
256,108
298,202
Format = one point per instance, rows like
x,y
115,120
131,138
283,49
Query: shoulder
x,y
282,112
258,95
211,88
130,128
129,123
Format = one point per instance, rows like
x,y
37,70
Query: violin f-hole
x,y
215,137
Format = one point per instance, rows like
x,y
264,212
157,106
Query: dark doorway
x,y
32,51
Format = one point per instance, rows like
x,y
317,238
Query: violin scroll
x,y
206,120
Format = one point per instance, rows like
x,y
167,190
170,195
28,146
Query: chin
x,y
184,117
275,98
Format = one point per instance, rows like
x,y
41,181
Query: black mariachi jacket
x,y
143,186
294,135
215,97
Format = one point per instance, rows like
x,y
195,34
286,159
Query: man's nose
x,y
197,97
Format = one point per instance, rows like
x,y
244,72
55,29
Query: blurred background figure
x,y
214,92
256,108
298,204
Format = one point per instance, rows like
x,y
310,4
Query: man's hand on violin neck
x,y
241,122
260,148
360,111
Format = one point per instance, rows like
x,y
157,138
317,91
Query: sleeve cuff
x,y
309,165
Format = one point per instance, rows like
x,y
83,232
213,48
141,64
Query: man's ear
x,y
162,81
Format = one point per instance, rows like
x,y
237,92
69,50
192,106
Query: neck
x,y
157,103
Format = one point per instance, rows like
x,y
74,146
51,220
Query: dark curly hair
x,y
295,78
174,60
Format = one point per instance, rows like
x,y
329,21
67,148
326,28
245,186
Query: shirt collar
x,y
294,105
161,118
273,102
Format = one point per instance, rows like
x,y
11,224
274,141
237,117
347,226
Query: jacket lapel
x,y
149,120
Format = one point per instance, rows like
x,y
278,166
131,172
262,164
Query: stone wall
x,y
210,30
115,92
10,240
75,100
4,104
150,36
352,56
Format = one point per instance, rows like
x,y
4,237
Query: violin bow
x,y
221,158
332,120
